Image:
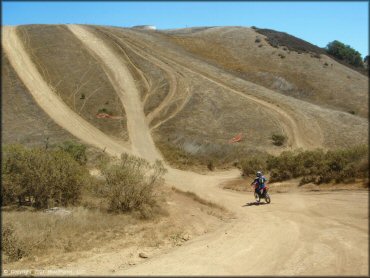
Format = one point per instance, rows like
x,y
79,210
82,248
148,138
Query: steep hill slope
x,y
200,87
309,75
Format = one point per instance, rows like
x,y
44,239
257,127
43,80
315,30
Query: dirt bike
x,y
262,195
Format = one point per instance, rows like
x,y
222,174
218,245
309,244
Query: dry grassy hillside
x,y
22,120
200,87
304,75
76,76
326,126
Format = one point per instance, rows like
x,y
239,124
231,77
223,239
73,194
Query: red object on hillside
x,y
236,138
103,115
107,116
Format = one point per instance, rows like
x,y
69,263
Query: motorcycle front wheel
x,y
267,198
257,197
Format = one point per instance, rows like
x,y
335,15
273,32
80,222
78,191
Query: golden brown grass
x,y
38,233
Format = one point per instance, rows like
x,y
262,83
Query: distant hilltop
x,y
145,27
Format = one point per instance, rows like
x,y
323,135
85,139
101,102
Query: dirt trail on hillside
x,y
140,137
297,234
296,137
172,79
50,102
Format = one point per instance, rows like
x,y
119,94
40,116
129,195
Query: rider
x,y
259,182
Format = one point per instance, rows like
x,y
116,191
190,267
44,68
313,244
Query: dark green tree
x,y
345,52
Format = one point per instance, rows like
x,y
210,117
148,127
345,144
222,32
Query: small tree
x,y
344,52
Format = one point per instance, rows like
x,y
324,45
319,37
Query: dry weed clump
x,y
130,184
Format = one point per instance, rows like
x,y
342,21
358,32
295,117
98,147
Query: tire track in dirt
x,y
296,137
170,97
128,59
50,102
141,140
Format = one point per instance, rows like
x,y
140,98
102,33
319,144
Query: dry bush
x,y
76,150
252,164
39,177
11,247
130,184
342,165
278,139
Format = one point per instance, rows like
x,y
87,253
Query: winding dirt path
x,y
297,234
50,102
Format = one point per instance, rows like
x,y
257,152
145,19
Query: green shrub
x,y
42,177
77,151
278,139
130,184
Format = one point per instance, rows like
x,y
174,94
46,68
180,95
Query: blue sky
x,y
316,22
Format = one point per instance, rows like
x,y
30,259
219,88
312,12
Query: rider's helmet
x,y
259,174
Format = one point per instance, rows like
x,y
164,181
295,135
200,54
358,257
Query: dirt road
x,y
297,234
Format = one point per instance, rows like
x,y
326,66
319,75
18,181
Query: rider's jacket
x,y
260,181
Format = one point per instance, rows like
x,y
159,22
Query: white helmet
x,y
259,174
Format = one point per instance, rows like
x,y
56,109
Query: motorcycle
x,y
262,194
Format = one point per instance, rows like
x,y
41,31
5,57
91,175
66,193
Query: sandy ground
x,y
297,234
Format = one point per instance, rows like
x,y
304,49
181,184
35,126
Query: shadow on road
x,y
254,204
